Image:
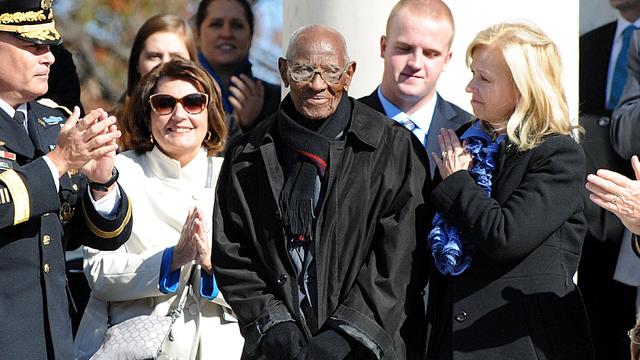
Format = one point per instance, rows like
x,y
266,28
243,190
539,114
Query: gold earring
x,y
151,138
208,136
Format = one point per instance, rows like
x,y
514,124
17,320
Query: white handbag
x,y
142,337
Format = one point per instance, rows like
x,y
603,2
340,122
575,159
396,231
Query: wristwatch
x,y
104,187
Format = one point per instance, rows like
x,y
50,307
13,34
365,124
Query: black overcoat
x,y
517,300
365,235
37,224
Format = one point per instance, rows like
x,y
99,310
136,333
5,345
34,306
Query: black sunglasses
x,y
164,104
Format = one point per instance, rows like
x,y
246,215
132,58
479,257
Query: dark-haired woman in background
x,y
224,31
159,39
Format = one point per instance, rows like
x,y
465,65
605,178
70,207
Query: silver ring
x,y
443,154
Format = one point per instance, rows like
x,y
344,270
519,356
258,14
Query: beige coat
x,y
161,193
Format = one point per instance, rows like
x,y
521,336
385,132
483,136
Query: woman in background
x,y
509,225
177,127
224,30
159,39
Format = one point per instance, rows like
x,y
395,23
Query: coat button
x,y
461,316
604,121
282,278
46,240
45,268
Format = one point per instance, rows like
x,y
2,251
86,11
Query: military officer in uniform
x,y
58,188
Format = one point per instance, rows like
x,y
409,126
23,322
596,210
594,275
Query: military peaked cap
x,y
29,20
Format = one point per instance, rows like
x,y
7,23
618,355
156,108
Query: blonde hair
x,y
536,68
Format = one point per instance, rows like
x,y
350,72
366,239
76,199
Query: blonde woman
x,y
509,220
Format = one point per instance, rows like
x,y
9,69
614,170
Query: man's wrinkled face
x,y
317,99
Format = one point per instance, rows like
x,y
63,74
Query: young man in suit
x,y
603,54
416,50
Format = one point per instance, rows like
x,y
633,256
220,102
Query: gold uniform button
x,y
46,240
75,187
46,268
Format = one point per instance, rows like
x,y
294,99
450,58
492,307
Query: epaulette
x,y
52,104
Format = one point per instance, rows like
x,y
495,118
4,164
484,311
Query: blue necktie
x,y
411,126
620,70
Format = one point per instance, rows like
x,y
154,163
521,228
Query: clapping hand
x,y
88,144
618,194
247,99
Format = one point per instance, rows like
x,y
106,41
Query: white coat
x,y
162,193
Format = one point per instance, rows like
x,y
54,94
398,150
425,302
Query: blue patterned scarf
x,y
451,253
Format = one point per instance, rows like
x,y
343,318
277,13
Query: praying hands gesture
x,y
454,156
193,244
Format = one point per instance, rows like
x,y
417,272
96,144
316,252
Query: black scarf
x,y
311,156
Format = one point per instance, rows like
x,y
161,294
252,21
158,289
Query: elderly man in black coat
x,y
57,188
315,222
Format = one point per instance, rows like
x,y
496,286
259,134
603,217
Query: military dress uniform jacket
x,y
37,224
517,300
364,235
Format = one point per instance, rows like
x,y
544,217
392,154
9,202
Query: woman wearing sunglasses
x,y
178,127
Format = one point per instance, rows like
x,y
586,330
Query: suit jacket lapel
x,y
15,137
373,101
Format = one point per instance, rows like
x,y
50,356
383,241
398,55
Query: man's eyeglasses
x,y
164,104
305,72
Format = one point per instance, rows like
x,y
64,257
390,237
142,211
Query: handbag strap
x,y
209,173
177,312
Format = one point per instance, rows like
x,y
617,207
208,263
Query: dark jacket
x,y
624,121
36,225
446,115
609,316
517,300
365,234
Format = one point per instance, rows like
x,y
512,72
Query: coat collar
x,y
364,127
164,167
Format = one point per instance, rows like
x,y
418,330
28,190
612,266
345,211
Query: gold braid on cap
x,y
46,4
20,17
46,31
